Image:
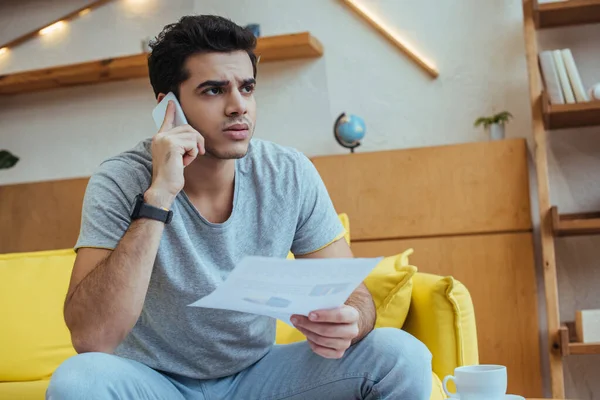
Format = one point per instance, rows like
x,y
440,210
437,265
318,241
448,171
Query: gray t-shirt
x,y
280,204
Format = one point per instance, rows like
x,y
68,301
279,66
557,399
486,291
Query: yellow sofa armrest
x,y
34,339
441,315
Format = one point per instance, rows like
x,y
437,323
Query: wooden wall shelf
x,y
271,48
562,116
575,224
112,69
288,47
571,12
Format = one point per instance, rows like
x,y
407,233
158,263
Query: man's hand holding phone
x,y
173,149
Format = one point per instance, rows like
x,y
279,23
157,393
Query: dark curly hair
x,y
192,35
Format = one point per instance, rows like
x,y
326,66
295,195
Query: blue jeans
x,y
387,364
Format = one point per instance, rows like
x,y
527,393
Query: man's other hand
x,y
329,332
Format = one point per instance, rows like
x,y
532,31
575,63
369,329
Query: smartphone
x,y
158,114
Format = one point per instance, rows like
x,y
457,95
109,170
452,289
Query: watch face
x,y
139,200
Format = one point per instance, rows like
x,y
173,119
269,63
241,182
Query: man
x,y
211,196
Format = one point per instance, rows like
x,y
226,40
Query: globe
x,y
349,130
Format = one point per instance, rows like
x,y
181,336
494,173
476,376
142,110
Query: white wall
x,y
299,100
477,46
67,133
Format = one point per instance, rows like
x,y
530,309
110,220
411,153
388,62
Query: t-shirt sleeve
x,y
318,222
107,205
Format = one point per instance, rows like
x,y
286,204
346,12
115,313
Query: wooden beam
x,y
563,335
69,16
405,48
548,256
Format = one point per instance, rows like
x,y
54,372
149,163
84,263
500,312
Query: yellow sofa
x,y
34,339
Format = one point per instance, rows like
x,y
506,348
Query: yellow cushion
x,y
287,334
442,317
390,285
28,390
34,339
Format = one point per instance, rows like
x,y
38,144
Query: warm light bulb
x,y
3,50
52,28
140,7
84,12
135,4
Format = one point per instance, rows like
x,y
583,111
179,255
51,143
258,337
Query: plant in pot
x,y
7,159
495,124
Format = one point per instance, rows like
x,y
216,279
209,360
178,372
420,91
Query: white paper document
x,y
278,287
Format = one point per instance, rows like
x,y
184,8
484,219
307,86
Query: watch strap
x,y
145,210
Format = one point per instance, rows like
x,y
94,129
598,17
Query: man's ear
x,y
160,97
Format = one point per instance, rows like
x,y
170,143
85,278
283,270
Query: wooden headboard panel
x,y
465,210
41,215
435,191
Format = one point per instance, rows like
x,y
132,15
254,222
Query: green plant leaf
x,y
483,121
502,117
7,159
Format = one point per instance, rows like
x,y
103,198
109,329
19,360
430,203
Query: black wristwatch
x,y
145,210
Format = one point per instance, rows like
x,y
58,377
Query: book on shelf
x,y
550,77
576,83
587,326
563,78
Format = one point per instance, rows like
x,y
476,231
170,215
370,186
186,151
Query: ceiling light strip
x,y
376,23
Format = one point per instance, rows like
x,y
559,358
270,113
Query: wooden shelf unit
x,y
566,13
575,224
269,49
562,116
545,117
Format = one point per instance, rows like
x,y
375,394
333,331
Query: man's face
x,y
218,101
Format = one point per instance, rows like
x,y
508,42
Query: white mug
x,y
478,382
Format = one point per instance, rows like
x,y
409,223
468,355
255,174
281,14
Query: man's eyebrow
x,y
212,83
245,82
